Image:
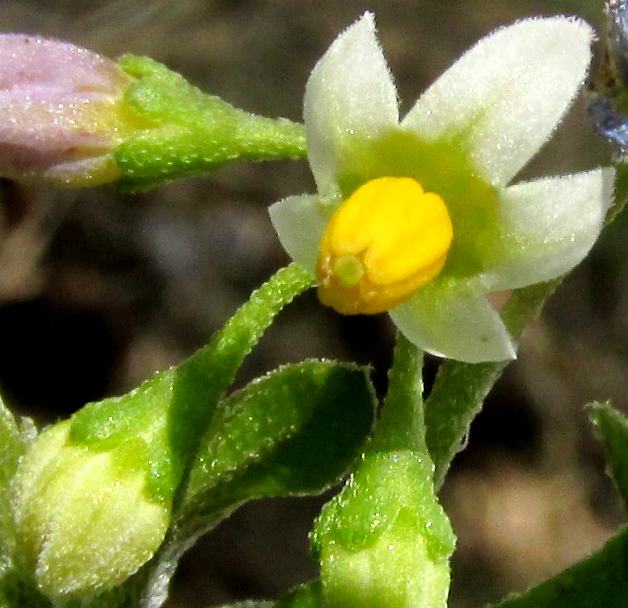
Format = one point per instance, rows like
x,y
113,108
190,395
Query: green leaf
x,y
294,431
612,429
599,581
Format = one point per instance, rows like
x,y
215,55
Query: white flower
x,y
444,227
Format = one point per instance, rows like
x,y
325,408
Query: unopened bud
x,y
62,112
71,118
384,541
83,517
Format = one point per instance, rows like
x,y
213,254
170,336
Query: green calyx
x,y
190,132
385,485
134,428
384,541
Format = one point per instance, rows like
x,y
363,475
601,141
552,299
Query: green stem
x,y
401,425
262,138
460,388
208,373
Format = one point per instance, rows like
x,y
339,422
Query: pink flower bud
x,y
61,112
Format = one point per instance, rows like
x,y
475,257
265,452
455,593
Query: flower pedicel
x,y
417,217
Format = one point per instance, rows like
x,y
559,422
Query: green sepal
x,y
135,427
385,541
294,431
612,429
385,485
189,132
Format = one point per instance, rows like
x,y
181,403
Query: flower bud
x,y
384,541
71,118
62,112
83,517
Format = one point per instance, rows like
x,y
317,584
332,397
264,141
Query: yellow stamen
x,y
386,240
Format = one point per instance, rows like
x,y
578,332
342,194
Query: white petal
x,y
349,96
452,322
505,96
300,222
547,227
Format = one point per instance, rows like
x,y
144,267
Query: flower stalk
x,y
385,541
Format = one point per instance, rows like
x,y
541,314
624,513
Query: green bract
x,y
465,139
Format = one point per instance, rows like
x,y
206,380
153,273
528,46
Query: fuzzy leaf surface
x,y
294,431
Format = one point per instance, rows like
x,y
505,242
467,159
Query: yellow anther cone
x,y
387,239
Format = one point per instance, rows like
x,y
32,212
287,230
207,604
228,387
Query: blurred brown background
x,y
99,289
